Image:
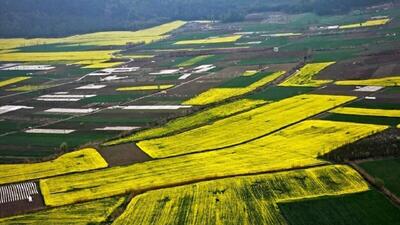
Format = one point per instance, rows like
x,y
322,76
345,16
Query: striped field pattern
x,y
17,192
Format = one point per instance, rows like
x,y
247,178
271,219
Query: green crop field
x,y
386,171
365,208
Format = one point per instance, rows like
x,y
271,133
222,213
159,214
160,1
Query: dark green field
x,y
382,120
366,208
278,93
386,170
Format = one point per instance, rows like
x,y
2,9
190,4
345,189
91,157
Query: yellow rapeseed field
x,y
56,56
192,121
250,73
14,80
102,65
305,76
146,88
367,112
214,95
386,81
82,160
115,38
292,147
250,200
79,214
233,130
211,40
368,23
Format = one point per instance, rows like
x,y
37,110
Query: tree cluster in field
x,y
384,144
32,18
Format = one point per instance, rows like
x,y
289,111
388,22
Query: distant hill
x,y
33,18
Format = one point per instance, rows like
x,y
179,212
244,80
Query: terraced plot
x,y
196,120
292,147
305,76
243,200
81,214
82,160
214,95
260,121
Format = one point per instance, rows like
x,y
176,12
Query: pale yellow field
x,y
82,160
232,130
292,147
367,23
30,88
212,40
102,65
146,88
14,80
192,121
386,81
250,73
116,38
250,200
214,95
56,56
367,112
305,76
79,214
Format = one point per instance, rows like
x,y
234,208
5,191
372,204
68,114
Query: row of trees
x,y
64,17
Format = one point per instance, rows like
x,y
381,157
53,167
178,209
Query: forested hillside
x,y
64,17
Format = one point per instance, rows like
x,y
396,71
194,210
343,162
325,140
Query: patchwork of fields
x,y
253,122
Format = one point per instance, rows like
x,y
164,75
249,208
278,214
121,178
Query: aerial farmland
x,y
276,119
